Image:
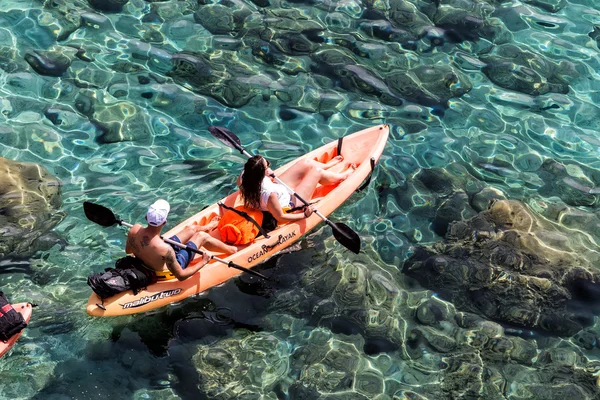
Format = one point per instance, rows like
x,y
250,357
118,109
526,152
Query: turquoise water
x,y
491,104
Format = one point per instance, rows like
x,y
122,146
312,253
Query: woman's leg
x,y
297,172
334,161
330,178
314,175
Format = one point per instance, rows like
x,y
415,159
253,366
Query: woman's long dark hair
x,y
254,173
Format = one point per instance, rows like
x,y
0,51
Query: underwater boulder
x,y
595,35
516,77
294,44
60,18
455,208
301,93
431,312
215,18
236,92
429,85
548,5
270,54
383,30
360,79
436,180
331,62
463,374
9,59
122,121
219,19
460,28
519,69
508,266
29,204
573,190
291,20
115,122
111,6
245,364
49,63
485,197
407,14
192,69
464,20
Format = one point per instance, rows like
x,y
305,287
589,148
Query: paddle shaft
x,y
183,246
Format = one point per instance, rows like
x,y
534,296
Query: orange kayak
x,y
362,148
25,310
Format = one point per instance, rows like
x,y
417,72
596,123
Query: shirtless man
x,y
146,244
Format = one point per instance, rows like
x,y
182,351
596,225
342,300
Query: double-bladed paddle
x,y
342,232
105,217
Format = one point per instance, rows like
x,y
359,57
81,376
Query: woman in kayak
x,y
260,192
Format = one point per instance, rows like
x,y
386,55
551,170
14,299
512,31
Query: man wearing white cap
x,y
165,261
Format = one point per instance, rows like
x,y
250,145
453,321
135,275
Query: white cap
x,y
158,212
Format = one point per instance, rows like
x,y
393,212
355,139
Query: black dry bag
x,y
127,275
11,321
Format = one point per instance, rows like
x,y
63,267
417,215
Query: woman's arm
x,y
275,209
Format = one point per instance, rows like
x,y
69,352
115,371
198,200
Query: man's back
x,y
146,246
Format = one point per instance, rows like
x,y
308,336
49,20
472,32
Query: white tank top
x,y
269,187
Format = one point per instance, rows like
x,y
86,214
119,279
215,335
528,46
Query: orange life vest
x,y
237,230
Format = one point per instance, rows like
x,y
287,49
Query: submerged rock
x,y
575,189
48,63
549,5
429,85
192,69
112,6
61,18
29,201
508,266
518,69
219,19
116,122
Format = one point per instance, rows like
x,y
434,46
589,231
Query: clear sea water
x,y
114,98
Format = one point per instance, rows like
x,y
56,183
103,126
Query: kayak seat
x,y
269,223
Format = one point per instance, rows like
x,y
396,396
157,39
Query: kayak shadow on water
x,y
238,303
156,351
111,369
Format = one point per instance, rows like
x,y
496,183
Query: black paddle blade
x,y
346,236
99,214
227,137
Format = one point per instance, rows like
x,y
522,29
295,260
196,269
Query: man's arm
x,y
131,247
173,266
